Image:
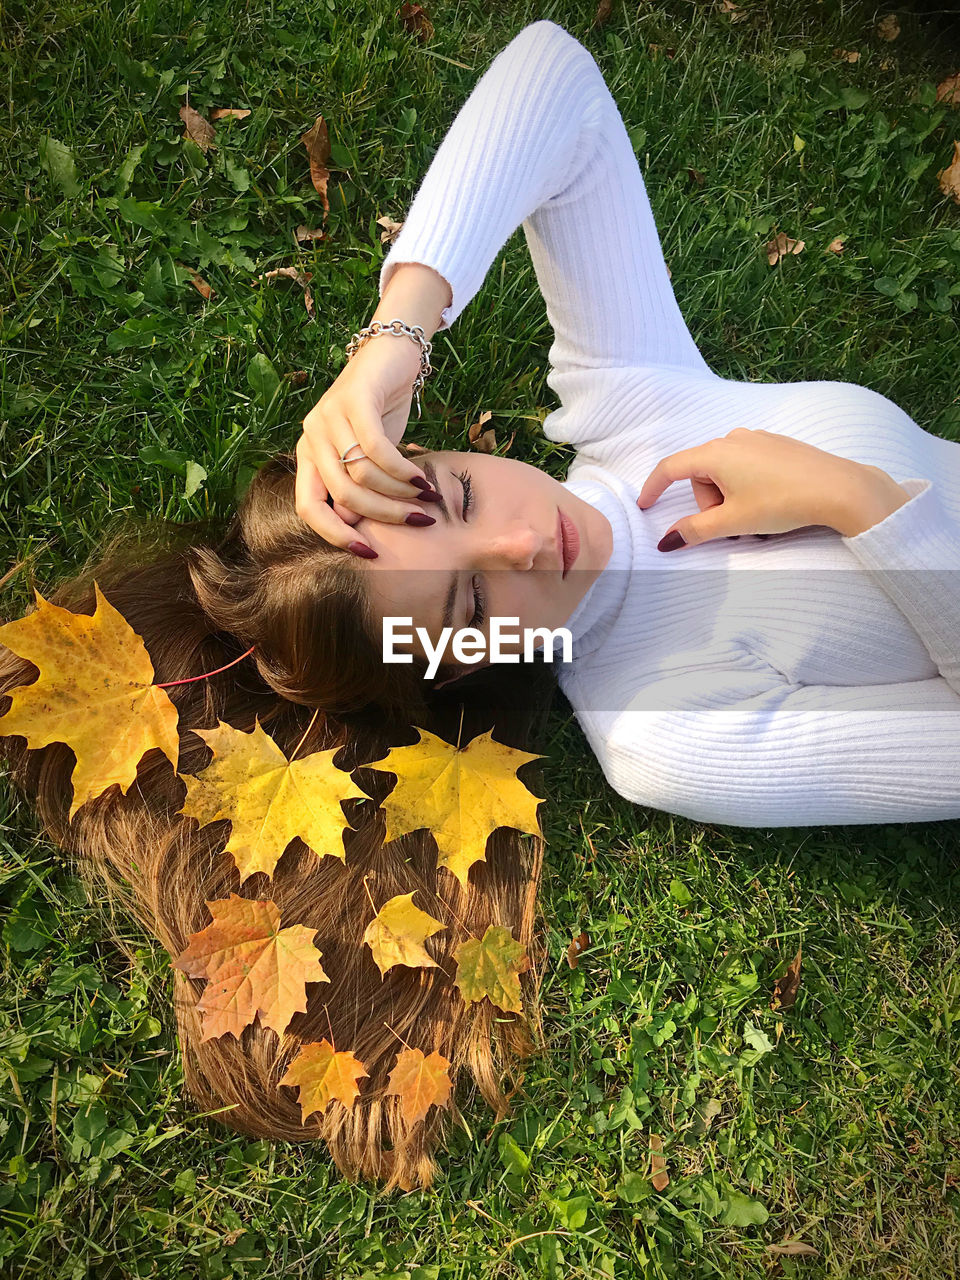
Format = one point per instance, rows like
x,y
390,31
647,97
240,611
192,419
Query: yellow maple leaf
x,y
420,1082
461,795
95,693
321,1073
251,965
490,967
268,798
396,933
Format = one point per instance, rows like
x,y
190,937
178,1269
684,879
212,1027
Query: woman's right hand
x,y
367,404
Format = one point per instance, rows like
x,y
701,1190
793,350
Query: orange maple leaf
x,y
251,966
322,1073
420,1082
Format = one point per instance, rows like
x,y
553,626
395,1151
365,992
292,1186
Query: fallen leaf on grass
x,y
482,441
950,177
580,943
197,128
658,1164
305,234
696,176
416,22
317,142
835,246
736,13
793,1249
848,55
302,278
888,28
948,91
781,246
604,9
786,987
390,230
206,291
229,113
297,378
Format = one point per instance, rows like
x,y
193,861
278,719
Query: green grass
x,y
835,1123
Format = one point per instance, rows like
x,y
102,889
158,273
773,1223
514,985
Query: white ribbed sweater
x,y
807,679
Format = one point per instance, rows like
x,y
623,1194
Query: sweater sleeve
x,y
914,555
781,754
540,141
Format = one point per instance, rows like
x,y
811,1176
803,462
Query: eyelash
x,y
479,601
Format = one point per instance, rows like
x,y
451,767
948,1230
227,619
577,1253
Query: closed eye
x,y
480,611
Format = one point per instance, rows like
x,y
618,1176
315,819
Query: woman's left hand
x,y
760,482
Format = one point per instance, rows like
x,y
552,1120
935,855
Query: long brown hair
x,y
272,582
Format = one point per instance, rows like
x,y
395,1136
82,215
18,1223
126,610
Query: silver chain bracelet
x,y
376,328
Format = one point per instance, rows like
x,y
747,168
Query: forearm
x,y
416,294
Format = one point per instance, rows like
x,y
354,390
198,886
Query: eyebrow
x,y
431,473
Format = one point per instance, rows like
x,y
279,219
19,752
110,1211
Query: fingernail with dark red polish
x,y
418,517
671,541
420,482
429,495
361,549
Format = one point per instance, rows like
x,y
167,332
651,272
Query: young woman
x,y
732,694
827,691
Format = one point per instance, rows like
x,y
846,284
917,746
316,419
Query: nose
x,y
514,546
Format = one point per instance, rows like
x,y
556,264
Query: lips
x,y
570,542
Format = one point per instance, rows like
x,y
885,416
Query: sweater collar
x,y
591,620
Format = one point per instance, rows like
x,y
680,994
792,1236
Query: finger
x,y
310,497
715,522
683,465
384,453
366,471
367,502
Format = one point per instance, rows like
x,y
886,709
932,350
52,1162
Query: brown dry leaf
x,y
948,91
888,28
197,128
305,234
205,290
302,278
580,943
229,113
887,64
297,378
736,13
317,142
793,1249
657,47
482,441
416,22
420,1082
696,176
658,1164
848,55
835,246
950,177
781,246
786,987
604,10
390,230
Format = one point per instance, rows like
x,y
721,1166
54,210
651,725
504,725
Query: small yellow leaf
x,y
950,176
396,934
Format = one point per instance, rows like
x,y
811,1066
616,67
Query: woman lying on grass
x,y
706,686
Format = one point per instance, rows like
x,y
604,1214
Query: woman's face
x,y
505,554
